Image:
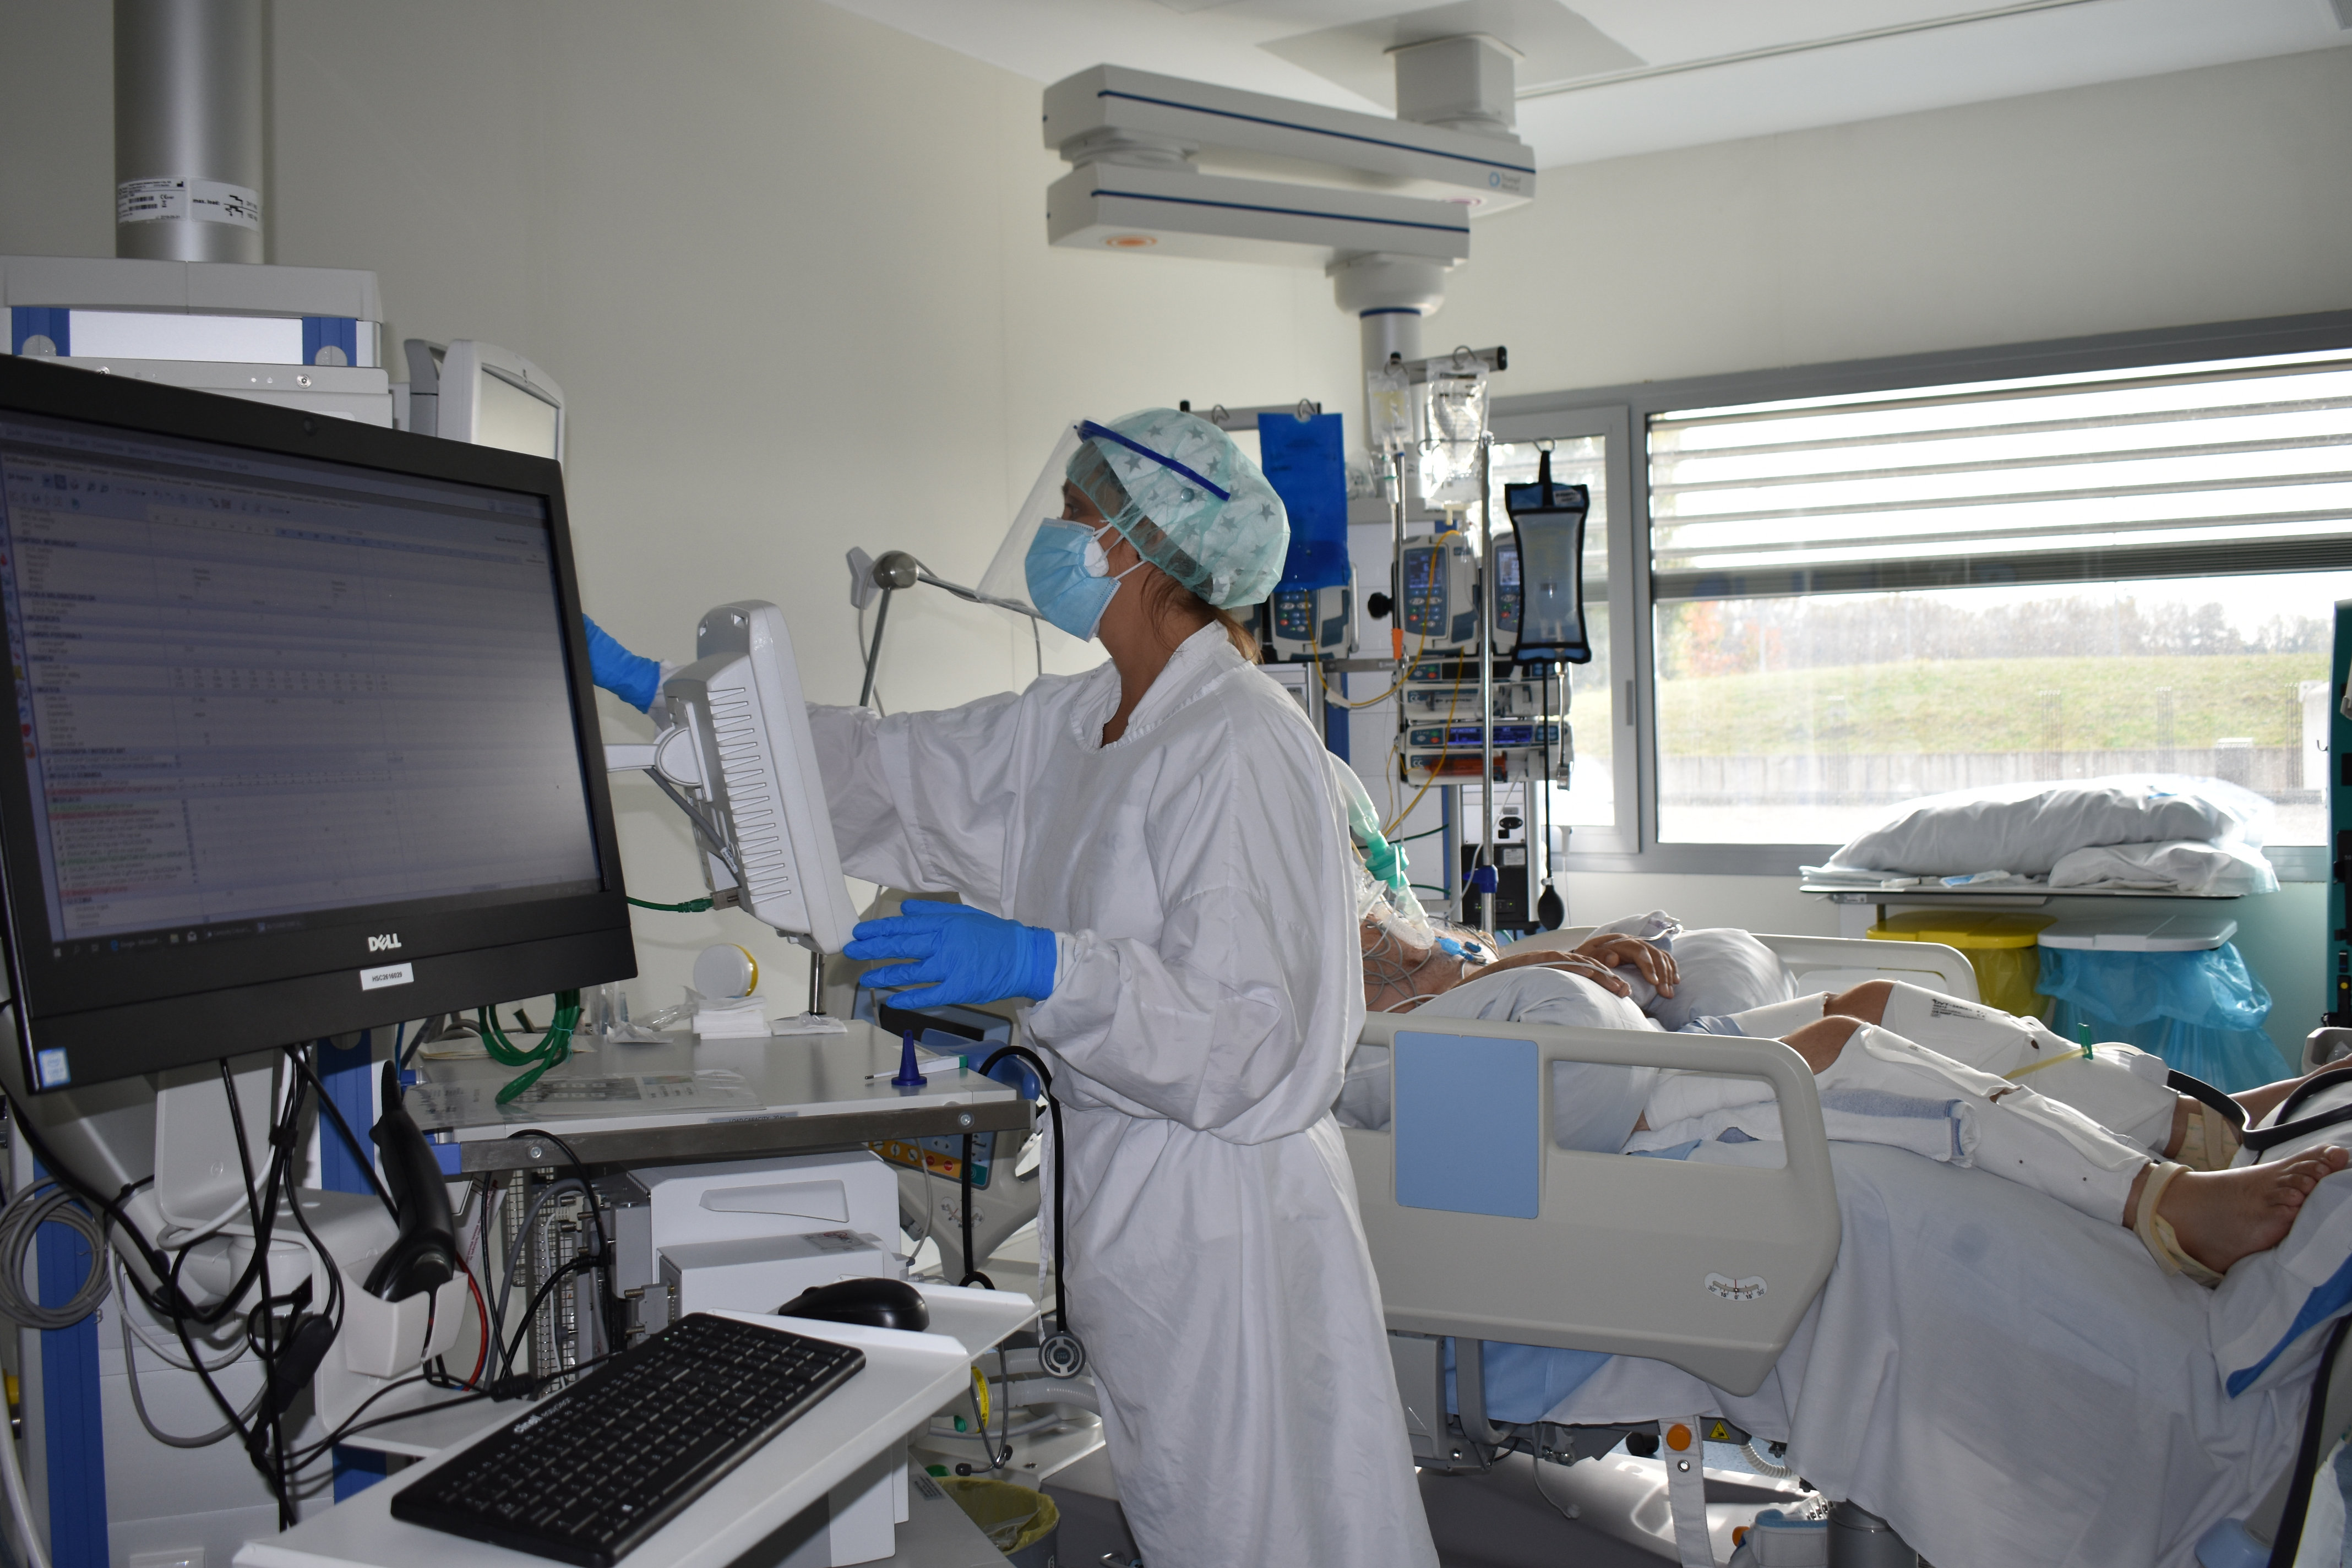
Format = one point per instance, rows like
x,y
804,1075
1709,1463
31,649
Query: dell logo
x,y
389,942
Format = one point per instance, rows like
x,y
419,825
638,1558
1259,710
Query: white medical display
x,y
740,744
515,417
256,686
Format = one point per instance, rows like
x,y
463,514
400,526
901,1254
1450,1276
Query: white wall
x,y
2210,196
789,266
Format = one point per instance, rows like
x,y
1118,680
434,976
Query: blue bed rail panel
x,y
1468,1124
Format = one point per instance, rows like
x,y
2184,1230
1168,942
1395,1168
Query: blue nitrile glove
x,y
960,955
631,677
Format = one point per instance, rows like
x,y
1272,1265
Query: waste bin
x,y
2172,984
1998,946
1023,1524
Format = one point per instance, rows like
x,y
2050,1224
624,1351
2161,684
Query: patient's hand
x,y
1651,962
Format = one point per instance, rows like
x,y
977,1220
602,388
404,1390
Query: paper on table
x,y
471,1104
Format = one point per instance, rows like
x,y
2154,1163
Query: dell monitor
x,y
309,741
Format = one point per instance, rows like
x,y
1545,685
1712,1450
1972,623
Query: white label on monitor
x,y
391,974
53,1069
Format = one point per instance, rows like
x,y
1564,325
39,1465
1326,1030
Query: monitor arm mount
x,y
894,570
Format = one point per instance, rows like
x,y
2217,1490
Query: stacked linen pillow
x,y
2153,832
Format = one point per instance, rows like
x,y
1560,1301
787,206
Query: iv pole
x,y
1487,575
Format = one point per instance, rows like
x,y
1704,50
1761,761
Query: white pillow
x,y
2026,828
1722,971
2179,865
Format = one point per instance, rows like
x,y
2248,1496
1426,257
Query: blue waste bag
x,y
2202,1012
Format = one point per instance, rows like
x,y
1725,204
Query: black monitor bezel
x,y
193,1004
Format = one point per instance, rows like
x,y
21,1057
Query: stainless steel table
x,y
625,1103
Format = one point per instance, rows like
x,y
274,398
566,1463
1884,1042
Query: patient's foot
x,y
2220,1217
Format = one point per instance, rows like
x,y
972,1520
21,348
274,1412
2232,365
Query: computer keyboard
x,y
585,1476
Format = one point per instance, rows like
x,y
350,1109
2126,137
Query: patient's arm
x,y
1597,958
1400,971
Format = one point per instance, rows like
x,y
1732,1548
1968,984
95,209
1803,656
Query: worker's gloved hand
x,y
958,953
631,677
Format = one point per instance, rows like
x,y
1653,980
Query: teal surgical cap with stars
x,y
1189,500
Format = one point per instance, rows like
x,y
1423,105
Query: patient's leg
x,y
2198,1136
2120,1087
2216,1217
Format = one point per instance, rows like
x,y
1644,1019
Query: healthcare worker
x,y
1154,855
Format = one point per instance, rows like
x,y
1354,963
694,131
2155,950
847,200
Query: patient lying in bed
x,y
1953,1081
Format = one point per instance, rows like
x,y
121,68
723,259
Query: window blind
x,y
2233,466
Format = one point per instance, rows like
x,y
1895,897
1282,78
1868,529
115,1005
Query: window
x,y
1862,583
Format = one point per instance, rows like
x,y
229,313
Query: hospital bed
x,y
1481,1229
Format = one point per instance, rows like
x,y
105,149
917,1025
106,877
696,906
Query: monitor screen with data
x,y
306,739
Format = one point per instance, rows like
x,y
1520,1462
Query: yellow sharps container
x,y
1999,946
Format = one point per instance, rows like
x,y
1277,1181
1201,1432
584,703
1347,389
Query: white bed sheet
x,y
2005,1380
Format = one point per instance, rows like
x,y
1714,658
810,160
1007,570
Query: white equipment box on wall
x,y
306,337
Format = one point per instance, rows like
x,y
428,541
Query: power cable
x,y
46,1201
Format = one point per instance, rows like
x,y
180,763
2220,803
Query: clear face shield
x,y
1007,577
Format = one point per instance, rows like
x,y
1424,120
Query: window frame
x,y
1624,411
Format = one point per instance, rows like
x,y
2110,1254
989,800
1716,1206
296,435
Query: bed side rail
x,y
1481,1227
1835,962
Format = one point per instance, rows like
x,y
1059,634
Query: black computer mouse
x,y
876,1303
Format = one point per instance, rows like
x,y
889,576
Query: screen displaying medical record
x,y
252,688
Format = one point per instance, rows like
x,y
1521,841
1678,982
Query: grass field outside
x,y
2051,704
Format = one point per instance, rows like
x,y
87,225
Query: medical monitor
x,y
309,742
738,743
495,397
481,394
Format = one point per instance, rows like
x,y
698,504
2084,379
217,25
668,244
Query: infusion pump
x,y
1313,623
1438,609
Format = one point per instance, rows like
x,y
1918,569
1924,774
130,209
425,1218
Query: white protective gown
x,y
1208,988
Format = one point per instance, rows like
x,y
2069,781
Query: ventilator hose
x,y
1053,1108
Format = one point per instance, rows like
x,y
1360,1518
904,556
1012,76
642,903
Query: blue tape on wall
x,y
72,1428
1469,1125
338,332
349,1078
1306,462
53,322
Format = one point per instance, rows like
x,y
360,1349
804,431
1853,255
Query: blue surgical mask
x,y
1066,572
